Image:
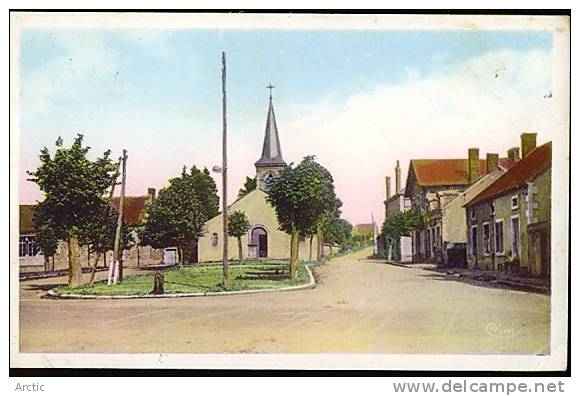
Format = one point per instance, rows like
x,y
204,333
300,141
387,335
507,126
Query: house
x,y
509,221
453,220
264,239
134,211
395,204
434,183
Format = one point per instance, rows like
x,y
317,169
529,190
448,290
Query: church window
x,y
268,179
214,239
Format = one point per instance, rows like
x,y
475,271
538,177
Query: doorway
x,y
260,240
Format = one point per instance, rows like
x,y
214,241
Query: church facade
x,y
264,239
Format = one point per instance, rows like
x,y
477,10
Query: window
x,y
472,213
498,234
268,179
515,235
486,239
214,239
514,201
27,246
473,240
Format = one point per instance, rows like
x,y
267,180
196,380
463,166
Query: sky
x,y
357,100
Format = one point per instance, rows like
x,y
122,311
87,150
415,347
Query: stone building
x,y
434,183
264,239
134,210
509,221
395,203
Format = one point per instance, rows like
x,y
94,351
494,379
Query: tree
x,y
47,243
177,216
402,224
249,186
300,197
337,231
238,225
73,187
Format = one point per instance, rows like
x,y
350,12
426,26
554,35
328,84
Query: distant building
x,y
364,230
509,221
432,184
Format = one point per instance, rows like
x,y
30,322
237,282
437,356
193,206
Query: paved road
x,y
359,306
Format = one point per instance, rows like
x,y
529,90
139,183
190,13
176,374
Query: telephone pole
x,y
224,173
117,270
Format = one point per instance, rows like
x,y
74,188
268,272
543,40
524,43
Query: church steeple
x,y
271,162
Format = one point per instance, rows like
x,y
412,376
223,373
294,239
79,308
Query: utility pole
x,y
117,270
374,235
224,173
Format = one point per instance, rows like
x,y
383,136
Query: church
x,y
264,239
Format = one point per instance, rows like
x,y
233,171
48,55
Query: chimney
x,y
388,186
528,143
514,154
397,178
473,160
491,162
151,193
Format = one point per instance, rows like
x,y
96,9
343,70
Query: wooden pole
x,y
118,272
224,174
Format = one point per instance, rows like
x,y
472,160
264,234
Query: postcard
x,y
289,191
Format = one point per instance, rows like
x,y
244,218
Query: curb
x,y
310,285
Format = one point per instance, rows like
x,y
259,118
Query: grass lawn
x,y
246,276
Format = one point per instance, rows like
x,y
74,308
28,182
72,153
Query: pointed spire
x,y
271,151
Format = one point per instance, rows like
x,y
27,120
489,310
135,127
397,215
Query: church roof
x,y
271,151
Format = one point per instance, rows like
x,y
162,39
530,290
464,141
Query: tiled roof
x,y
133,213
26,219
529,167
133,209
449,172
366,228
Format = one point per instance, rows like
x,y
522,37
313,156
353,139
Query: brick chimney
x,y
388,186
528,143
151,192
514,154
397,178
491,162
473,164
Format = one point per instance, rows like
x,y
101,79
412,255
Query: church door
x,y
263,245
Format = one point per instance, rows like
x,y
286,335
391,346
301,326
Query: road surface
x,y
358,305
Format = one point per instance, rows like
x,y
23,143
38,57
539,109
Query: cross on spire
x,y
270,87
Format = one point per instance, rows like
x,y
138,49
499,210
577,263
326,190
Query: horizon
x,y
351,98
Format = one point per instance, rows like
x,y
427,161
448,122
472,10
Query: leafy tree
x,y
300,197
47,243
402,224
73,187
238,225
177,216
337,231
206,191
249,186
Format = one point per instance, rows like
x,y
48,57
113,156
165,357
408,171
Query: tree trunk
x,y
94,268
240,252
294,241
52,263
319,252
74,266
138,258
310,252
46,264
180,256
105,259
